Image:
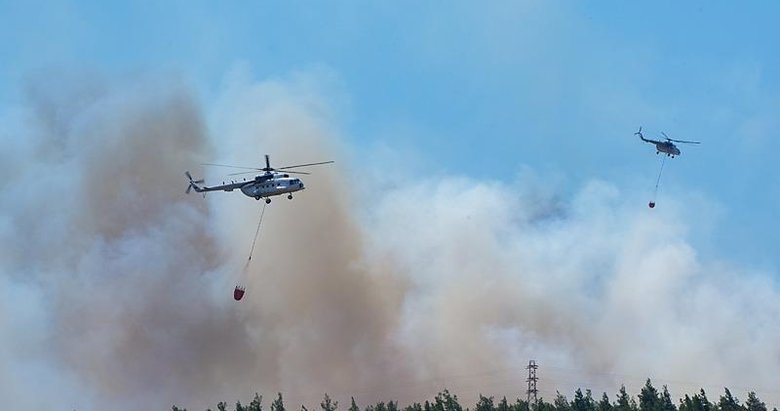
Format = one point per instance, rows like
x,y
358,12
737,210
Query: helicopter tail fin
x,y
639,133
193,183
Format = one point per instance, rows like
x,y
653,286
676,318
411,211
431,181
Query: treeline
x,y
649,399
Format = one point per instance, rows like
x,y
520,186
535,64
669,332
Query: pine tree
x,y
727,402
503,405
520,405
328,405
698,402
278,403
561,403
583,402
648,398
706,405
256,404
542,405
624,401
604,404
444,401
753,403
484,404
666,401
352,406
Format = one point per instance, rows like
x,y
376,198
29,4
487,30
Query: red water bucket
x,y
238,293
651,204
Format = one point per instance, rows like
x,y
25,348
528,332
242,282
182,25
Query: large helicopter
x,y
272,182
667,146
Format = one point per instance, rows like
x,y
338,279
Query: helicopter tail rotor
x,y
639,133
193,183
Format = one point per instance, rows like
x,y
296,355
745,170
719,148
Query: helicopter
x,y
272,182
667,146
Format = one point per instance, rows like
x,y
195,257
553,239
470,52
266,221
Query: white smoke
x,y
117,287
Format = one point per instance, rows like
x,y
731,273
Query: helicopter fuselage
x,y
272,187
262,186
667,147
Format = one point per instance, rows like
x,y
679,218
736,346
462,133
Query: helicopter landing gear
x,y
268,201
289,196
257,198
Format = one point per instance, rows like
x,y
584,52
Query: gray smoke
x,y
117,286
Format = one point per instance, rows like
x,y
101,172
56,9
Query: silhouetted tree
x,y
328,405
278,403
624,401
542,405
604,404
648,398
503,405
352,405
444,401
256,404
698,402
520,405
484,404
727,402
583,402
561,403
222,406
414,407
666,401
753,403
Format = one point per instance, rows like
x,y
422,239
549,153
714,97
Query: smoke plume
x,y
117,287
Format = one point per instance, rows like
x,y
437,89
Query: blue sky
x,y
482,88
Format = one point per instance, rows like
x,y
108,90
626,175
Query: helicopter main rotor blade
x,y
305,165
227,165
680,141
250,172
243,172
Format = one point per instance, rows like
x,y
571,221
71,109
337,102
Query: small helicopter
x,y
266,185
667,146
